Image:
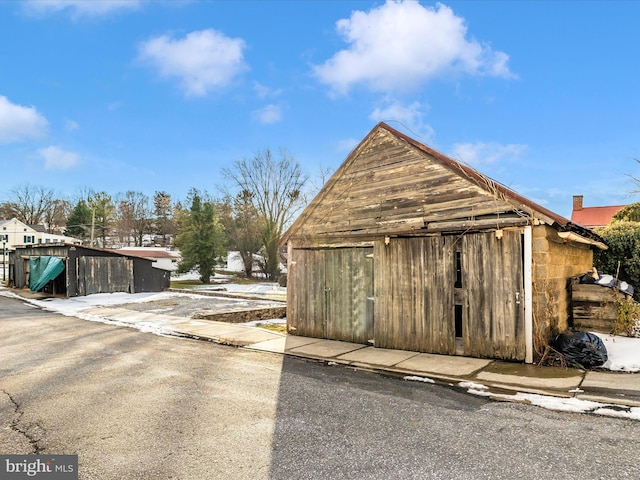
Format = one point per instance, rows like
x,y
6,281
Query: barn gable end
x,y
389,186
405,248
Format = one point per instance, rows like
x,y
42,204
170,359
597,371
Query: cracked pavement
x,y
13,437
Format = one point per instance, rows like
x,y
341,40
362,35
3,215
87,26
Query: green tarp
x,y
42,270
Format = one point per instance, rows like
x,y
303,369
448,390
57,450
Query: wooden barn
x,y
405,248
74,270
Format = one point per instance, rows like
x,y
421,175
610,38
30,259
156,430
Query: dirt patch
x,y
206,307
243,316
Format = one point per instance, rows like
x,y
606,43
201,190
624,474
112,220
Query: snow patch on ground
x,y
623,352
415,378
559,404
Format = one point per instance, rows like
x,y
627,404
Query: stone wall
x,y
555,261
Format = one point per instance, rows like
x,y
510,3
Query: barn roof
x,y
406,149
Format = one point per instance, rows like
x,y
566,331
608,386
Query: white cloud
x,y
71,125
58,159
409,116
485,153
268,114
79,8
264,92
202,60
402,44
20,123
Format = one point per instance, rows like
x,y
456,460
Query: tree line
x,y
260,198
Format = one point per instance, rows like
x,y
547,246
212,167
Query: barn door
x,y
348,289
492,285
414,290
331,293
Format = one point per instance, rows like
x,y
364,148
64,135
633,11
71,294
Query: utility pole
x,y
4,263
93,224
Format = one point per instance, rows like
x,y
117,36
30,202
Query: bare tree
x,y
133,217
242,225
316,183
276,194
55,217
30,203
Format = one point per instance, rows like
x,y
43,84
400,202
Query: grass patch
x,y
185,283
231,277
274,327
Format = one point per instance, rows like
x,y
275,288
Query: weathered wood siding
x,y
405,298
493,313
389,187
305,293
105,275
332,293
594,307
414,294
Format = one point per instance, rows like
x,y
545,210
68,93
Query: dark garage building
x,y
74,270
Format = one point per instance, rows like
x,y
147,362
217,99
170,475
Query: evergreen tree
x,y
163,211
79,222
103,212
622,259
200,238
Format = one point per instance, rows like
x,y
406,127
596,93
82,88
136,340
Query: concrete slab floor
x,y
248,337
443,364
562,383
525,375
326,349
377,356
284,344
614,381
528,370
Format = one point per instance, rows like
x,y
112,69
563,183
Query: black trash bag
x,y
583,348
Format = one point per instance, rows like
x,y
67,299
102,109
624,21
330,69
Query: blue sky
x,y
147,95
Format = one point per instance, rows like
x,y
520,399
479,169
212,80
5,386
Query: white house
x,y
14,233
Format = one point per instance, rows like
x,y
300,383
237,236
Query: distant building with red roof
x,y
162,258
592,217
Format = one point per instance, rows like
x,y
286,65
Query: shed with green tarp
x,y
74,270
44,270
